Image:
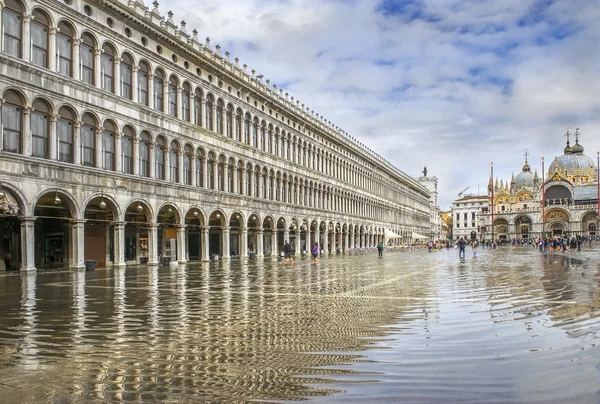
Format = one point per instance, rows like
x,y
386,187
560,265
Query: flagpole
x,y
598,193
543,198
492,173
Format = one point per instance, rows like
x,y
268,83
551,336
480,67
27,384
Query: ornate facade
x,y
126,140
564,203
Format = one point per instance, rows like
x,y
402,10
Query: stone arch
x,y
67,200
175,212
18,199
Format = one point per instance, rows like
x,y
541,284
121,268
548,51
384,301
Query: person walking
x,y
6,257
380,249
461,247
287,252
315,252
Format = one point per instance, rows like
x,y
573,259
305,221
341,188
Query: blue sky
x,y
450,84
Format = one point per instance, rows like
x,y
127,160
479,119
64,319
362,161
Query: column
x,y
77,142
166,95
260,243
298,247
204,244
78,244
27,150
193,158
119,242
226,243
118,152
52,139
153,244
215,177
134,83
179,111
52,56
152,160
76,71
98,140
182,250
136,156
117,73
205,172
97,68
244,243
168,163
26,42
234,172
180,166
345,246
150,90
27,244
326,242
274,247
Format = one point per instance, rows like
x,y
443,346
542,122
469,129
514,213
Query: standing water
x,y
502,326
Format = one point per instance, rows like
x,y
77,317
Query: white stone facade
x,y
125,140
435,218
466,213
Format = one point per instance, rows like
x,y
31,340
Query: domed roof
x,y
524,179
574,164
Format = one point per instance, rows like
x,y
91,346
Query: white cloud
x,y
465,83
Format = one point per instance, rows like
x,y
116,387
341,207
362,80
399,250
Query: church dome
x,y
574,165
524,179
577,148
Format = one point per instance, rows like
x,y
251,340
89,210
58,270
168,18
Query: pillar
x,y
204,244
118,153
26,41
52,63
119,246
205,172
274,246
181,245
234,172
179,111
193,178
98,146
76,71
77,244
297,243
97,68
244,243
326,242
134,83
180,167
152,160
136,156
260,243
27,244
77,142
52,138
153,244
226,243
27,150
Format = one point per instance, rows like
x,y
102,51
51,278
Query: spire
x,y
506,186
568,149
490,184
497,186
535,176
577,148
512,179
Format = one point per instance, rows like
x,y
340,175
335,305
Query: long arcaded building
x,y
125,140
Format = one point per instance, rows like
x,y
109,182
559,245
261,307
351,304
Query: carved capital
x,y
54,30
28,18
53,117
77,41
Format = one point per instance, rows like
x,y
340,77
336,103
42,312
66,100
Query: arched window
x,y
172,96
211,171
64,49
220,117
142,83
248,179
88,141
200,167
39,38
230,168
12,119
187,165
240,177
159,83
269,136
263,184
238,125
107,68
209,112
174,162
12,27
108,145
256,181
262,135
86,59
255,132
270,186
185,101
64,134
229,121
126,76
276,142
40,126
198,107
247,123
127,150
221,173
144,153
160,151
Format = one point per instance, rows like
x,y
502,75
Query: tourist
x,y
287,252
380,249
461,247
6,257
315,252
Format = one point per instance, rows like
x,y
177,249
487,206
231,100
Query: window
x,y
229,122
174,162
159,159
39,134
464,216
86,60
220,117
187,166
172,96
159,80
12,28
247,129
107,69
88,144
262,136
209,112
198,107
11,122
64,50
457,224
126,76
238,125
127,151
39,39
472,224
458,216
185,101
142,82
64,132
108,148
255,133
472,215
144,153
200,167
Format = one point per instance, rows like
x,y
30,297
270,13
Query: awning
x,y
390,234
417,236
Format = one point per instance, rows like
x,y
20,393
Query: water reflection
x,y
432,327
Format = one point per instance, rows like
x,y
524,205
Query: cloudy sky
x,y
447,84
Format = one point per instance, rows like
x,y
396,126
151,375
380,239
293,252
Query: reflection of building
x,y
431,183
465,212
124,139
569,195
447,221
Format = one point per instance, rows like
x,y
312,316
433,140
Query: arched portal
x,y
54,211
137,236
194,224
168,221
216,244
304,238
235,234
253,232
267,241
280,236
11,208
101,238
501,229
588,223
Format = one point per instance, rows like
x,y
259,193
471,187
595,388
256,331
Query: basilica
x,y
564,202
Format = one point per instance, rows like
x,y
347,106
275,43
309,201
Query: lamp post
x,y
543,198
598,189
492,173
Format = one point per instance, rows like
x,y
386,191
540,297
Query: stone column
x,y
52,56
134,83
326,242
234,172
153,244
168,163
274,247
52,138
76,72
27,244
204,244
165,95
97,68
152,160
78,244
180,166
193,170
150,90
215,168
77,142
179,109
26,41
260,242
117,75
205,172
345,245
119,245
244,243
136,156
182,251
118,152
98,142
298,246
27,146
226,243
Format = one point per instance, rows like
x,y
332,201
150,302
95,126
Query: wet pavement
x,y
505,326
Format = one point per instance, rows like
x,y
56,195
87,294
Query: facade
x,y
565,202
435,219
465,212
125,141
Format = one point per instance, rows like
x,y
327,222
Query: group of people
x,y
287,252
